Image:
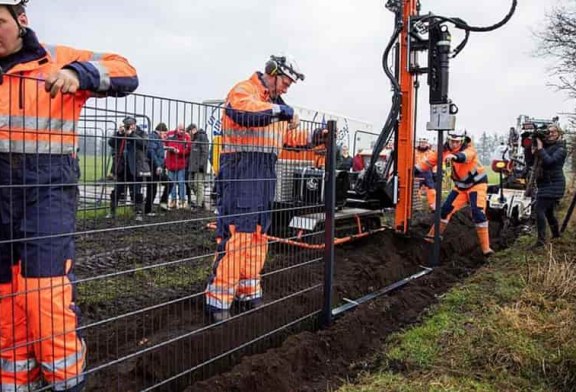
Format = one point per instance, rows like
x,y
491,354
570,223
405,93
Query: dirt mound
x,y
315,361
304,361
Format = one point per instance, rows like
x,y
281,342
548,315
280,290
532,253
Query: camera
x,y
540,133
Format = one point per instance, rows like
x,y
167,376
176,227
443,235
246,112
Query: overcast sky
x,y
195,50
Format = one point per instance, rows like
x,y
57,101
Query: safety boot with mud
x,y
484,239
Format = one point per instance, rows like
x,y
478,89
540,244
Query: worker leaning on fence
x,y
256,124
42,92
470,185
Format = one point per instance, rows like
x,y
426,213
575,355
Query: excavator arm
x,y
414,34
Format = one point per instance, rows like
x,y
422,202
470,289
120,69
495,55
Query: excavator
x,y
389,185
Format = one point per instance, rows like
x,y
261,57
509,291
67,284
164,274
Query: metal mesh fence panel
x,y
128,224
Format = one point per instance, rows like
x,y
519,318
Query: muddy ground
x,y
304,361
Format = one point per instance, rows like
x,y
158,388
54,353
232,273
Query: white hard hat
x,y
284,65
457,135
10,2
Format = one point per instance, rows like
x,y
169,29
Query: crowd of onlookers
x,y
171,161
174,163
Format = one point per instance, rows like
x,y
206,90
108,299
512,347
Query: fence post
x,y
329,207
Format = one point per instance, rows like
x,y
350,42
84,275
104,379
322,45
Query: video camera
x,y
541,133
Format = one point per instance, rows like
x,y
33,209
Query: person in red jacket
x,y
358,162
177,145
42,92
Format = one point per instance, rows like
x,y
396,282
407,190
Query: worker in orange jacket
x,y
470,185
256,125
42,93
423,150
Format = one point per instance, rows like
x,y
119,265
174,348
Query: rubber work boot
x,y
484,239
430,236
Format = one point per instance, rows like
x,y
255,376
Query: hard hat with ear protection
x,y
284,65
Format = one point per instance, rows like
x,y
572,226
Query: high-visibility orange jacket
x,y
32,122
253,122
420,155
467,170
320,156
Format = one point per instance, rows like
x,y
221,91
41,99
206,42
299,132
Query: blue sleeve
x,y
93,79
460,157
259,119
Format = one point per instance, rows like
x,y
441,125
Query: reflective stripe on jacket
x,y
467,170
253,122
31,121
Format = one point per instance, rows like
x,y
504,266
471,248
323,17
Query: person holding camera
x,y
131,165
550,155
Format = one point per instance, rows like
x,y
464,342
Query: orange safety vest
x,y
466,173
420,155
33,123
320,159
252,122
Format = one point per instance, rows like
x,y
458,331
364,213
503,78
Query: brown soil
x,y
305,361
322,360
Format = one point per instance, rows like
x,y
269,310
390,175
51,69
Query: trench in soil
x,y
302,359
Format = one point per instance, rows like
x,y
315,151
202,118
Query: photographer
x,y
550,155
131,165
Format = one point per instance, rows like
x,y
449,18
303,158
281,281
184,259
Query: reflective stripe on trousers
x,y
248,290
468,183
30,387
60,366
24,367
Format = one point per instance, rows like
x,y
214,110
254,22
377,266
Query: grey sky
x,y
196,50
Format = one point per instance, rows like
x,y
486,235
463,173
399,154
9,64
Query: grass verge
x,y
510,327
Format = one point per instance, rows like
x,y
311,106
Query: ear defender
x,y
271,67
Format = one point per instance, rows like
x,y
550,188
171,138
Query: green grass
x,y
509,327
141,282
493,178
92,167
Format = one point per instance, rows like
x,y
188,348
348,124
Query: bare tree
x,y
558,41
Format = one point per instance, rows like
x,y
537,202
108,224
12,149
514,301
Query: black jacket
x,y
550,181
130,153
198,161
